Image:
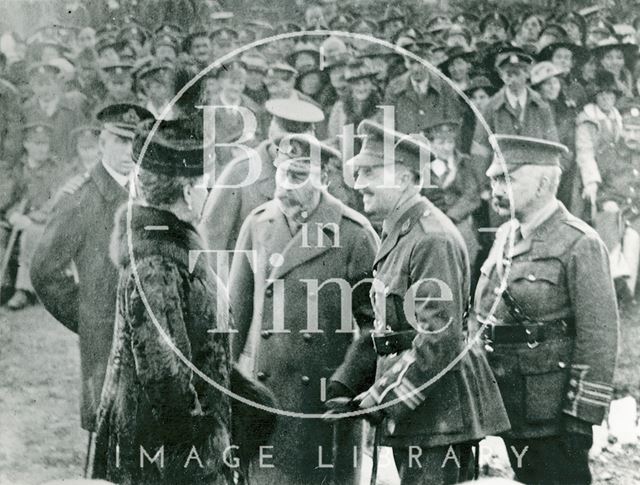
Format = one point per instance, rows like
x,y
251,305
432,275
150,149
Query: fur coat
x,y
152,400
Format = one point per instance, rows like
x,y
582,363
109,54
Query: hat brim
x,y
365,159
121,131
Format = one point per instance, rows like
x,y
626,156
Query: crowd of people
x,y
80,97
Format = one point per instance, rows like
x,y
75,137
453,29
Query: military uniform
x,y
272,304
551,336
73,274
436,385
235,201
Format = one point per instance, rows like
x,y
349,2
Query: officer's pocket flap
x,y
550,272
545,375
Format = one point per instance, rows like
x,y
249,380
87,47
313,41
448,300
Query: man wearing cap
x,y
435,388
158,85
305,240
546,308
419,95
71,271
37,182
63,111
256,66
515,109
249,181
118,79
198,45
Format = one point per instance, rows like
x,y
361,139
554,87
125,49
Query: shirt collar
x,y
397,212
514,100
122,180
420,87
528,228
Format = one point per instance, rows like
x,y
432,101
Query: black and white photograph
x,y
319,242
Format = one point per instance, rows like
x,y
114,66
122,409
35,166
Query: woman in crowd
x,y
617,58
566,56
546,80
361,102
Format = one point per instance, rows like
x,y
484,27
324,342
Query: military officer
x,y
233,199
435,388
71,270
551,336
303,240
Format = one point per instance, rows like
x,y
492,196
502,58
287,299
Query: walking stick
x,y
374,457
88,457
13,237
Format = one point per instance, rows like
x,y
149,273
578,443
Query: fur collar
x,y
174,243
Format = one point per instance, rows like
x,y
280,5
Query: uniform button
x,y
262,376
562,365
268,292
635,172
421,111
265,334
531,277
305,379
571,395
306,336
573,382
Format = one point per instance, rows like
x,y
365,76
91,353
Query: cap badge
x,y
131,117
513,59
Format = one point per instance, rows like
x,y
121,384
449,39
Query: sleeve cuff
x,y
586,400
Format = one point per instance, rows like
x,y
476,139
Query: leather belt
x,y
531,333
387,343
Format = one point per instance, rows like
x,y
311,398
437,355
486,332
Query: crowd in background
x,y
566,75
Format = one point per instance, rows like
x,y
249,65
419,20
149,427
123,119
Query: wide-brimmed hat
x,y
629,51
544,70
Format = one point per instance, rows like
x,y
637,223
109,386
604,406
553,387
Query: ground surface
x,y
40,436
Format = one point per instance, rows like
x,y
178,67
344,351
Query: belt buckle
x,y
373,340
532,341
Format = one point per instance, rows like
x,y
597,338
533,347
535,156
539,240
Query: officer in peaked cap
x,y
288,116
423,402
165,46
78,236
118,79
198,45
494,27
546,307
294,364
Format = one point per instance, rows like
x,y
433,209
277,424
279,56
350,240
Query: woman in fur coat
x,y
160,421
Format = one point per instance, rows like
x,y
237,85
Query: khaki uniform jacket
x,y
440,391
560,272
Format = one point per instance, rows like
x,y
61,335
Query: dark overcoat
x,y
414,111
167,316
75,279
272,292
561,272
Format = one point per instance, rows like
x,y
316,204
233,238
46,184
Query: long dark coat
x,y
151,398
340,243
76,240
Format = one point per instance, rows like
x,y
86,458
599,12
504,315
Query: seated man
x,y
35,193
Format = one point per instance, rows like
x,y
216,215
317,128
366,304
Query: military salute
x,y
551,340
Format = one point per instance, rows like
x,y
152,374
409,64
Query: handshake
x,y
342,404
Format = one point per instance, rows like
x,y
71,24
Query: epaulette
x,y
579,224
75,183
355,216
